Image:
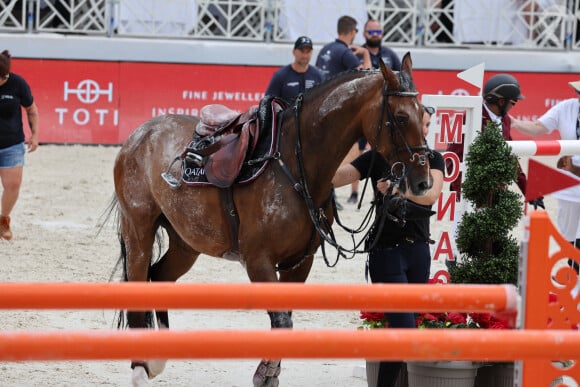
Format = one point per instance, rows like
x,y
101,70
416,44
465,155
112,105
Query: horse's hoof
x,y
266,374
155,367
139,377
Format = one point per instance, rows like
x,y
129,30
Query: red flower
x,y
482,319
456,318
463,320
372,316
373,320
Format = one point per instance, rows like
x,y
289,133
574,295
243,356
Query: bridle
x,y
396,131
317,215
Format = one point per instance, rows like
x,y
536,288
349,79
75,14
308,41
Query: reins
x,y
319,220
394,177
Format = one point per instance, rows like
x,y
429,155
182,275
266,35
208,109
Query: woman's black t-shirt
x,y
415,228
14,94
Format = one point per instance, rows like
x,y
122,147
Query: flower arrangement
x,y
453,320
456,320
371,320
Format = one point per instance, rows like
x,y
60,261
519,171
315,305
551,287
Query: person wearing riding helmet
x,y
500,93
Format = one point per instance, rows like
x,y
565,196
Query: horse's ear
x,y
390,77
407,64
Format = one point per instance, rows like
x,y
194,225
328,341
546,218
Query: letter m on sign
x,y
451,133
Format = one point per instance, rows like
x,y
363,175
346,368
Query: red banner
x,y
89,102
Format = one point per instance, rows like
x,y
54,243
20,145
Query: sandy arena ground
x,y
56,222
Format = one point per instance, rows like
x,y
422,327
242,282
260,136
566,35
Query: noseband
x,y
421,159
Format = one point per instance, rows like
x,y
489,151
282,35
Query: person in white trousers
x,y
565,118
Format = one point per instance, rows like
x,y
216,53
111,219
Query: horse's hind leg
x,y
137,247
266,374
176,261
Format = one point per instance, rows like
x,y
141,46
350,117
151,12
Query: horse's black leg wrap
x,y
140,364
280,319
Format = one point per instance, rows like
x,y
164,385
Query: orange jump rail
x,y
387,344
273,296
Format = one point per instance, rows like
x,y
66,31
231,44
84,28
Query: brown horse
x,y
276,224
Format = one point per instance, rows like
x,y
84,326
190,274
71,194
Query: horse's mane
x,y
405,81
320,89
316,92
334,81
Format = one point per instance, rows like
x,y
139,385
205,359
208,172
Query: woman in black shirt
x,y
14,94
401,254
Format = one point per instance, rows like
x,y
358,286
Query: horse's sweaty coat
x,y
279,213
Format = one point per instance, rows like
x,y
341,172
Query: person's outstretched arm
x,y
345,174
531,128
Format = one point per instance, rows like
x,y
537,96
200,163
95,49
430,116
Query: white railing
x,y
498,24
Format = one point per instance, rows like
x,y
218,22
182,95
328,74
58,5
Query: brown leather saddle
x,y
222,139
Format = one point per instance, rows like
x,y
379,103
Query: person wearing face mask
x,y
400,253
373,34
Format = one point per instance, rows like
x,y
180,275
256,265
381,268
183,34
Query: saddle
x,y
222,139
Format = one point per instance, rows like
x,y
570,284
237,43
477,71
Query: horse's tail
x,y
111,211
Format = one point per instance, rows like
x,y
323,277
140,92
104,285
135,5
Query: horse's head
x,y
400,136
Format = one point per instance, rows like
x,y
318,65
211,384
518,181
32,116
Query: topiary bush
x,y
488,252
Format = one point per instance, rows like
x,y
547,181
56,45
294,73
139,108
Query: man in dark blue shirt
x,y
341,55
298,76
373,34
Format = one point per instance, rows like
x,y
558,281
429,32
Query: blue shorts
x,y
13,156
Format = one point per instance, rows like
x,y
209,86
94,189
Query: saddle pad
x,y
193,175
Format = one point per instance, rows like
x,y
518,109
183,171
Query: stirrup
x,y
194,158
169,178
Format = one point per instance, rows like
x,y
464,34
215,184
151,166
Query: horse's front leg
x,y
266,374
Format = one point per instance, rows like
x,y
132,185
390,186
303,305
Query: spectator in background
x,y
401,252
298,76
373,34
442,26
565,118
14,94
341,55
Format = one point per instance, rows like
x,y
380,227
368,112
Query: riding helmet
x,y
502,86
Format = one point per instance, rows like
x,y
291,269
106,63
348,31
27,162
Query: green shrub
x,y
488,252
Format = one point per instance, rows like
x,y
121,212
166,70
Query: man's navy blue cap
x,y
303,41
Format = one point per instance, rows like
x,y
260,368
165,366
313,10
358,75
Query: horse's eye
x,y
402,120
